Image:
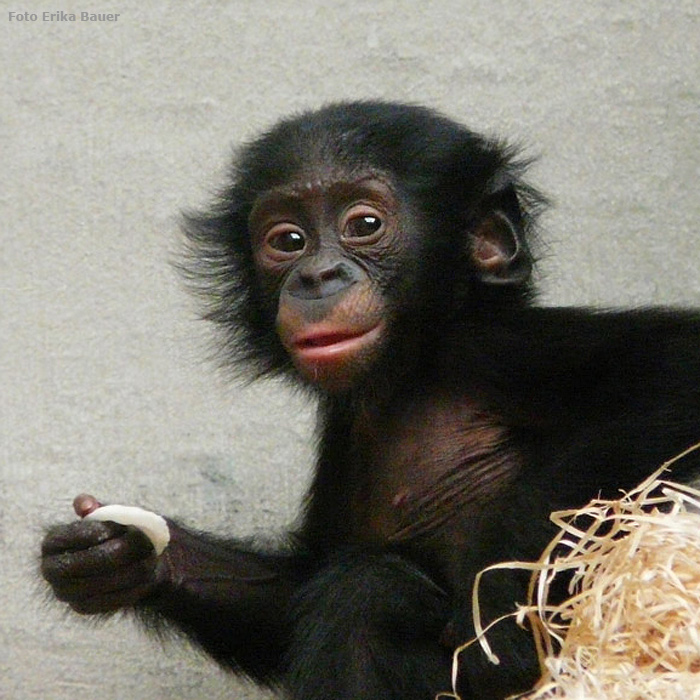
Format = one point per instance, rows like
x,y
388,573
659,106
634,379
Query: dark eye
x,y
362,221
363,226
286,240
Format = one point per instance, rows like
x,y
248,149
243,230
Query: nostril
x,y
338,271
319,282
333,285
308,280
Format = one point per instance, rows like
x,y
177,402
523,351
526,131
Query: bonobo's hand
x,y
99,567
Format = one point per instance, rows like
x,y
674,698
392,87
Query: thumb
x,y
84,504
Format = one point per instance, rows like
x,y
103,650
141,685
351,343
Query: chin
x,y
334,375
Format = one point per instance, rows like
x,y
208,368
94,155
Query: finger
x,y
110,602
110,555
79,535
107,593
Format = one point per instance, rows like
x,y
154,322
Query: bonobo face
x,y
326,246
347,236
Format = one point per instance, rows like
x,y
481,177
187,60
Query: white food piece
x,y
151,524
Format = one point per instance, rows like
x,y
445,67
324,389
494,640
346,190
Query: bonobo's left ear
x,y
498,247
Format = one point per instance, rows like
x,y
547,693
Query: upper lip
x,y
322,338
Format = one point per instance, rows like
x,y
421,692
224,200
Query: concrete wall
x,y
109,129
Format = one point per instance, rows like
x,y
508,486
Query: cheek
x,y
335,348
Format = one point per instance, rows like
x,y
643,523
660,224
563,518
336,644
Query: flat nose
x,y
321,281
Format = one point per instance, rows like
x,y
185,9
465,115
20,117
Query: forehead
x,y
327,184
326,179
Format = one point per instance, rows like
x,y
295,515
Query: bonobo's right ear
x,y
498,248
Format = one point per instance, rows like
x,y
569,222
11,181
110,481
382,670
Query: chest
x,y
424,473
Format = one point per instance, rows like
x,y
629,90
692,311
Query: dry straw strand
x,y
630,628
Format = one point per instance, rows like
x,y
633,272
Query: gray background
x,y
109,130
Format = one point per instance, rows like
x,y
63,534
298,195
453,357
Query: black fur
x,y
442,449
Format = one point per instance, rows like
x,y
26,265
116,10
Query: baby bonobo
x,y
380,255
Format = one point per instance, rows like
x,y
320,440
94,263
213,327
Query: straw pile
x,y
630,629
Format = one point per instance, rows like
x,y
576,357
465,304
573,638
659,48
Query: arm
x,y
227,597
